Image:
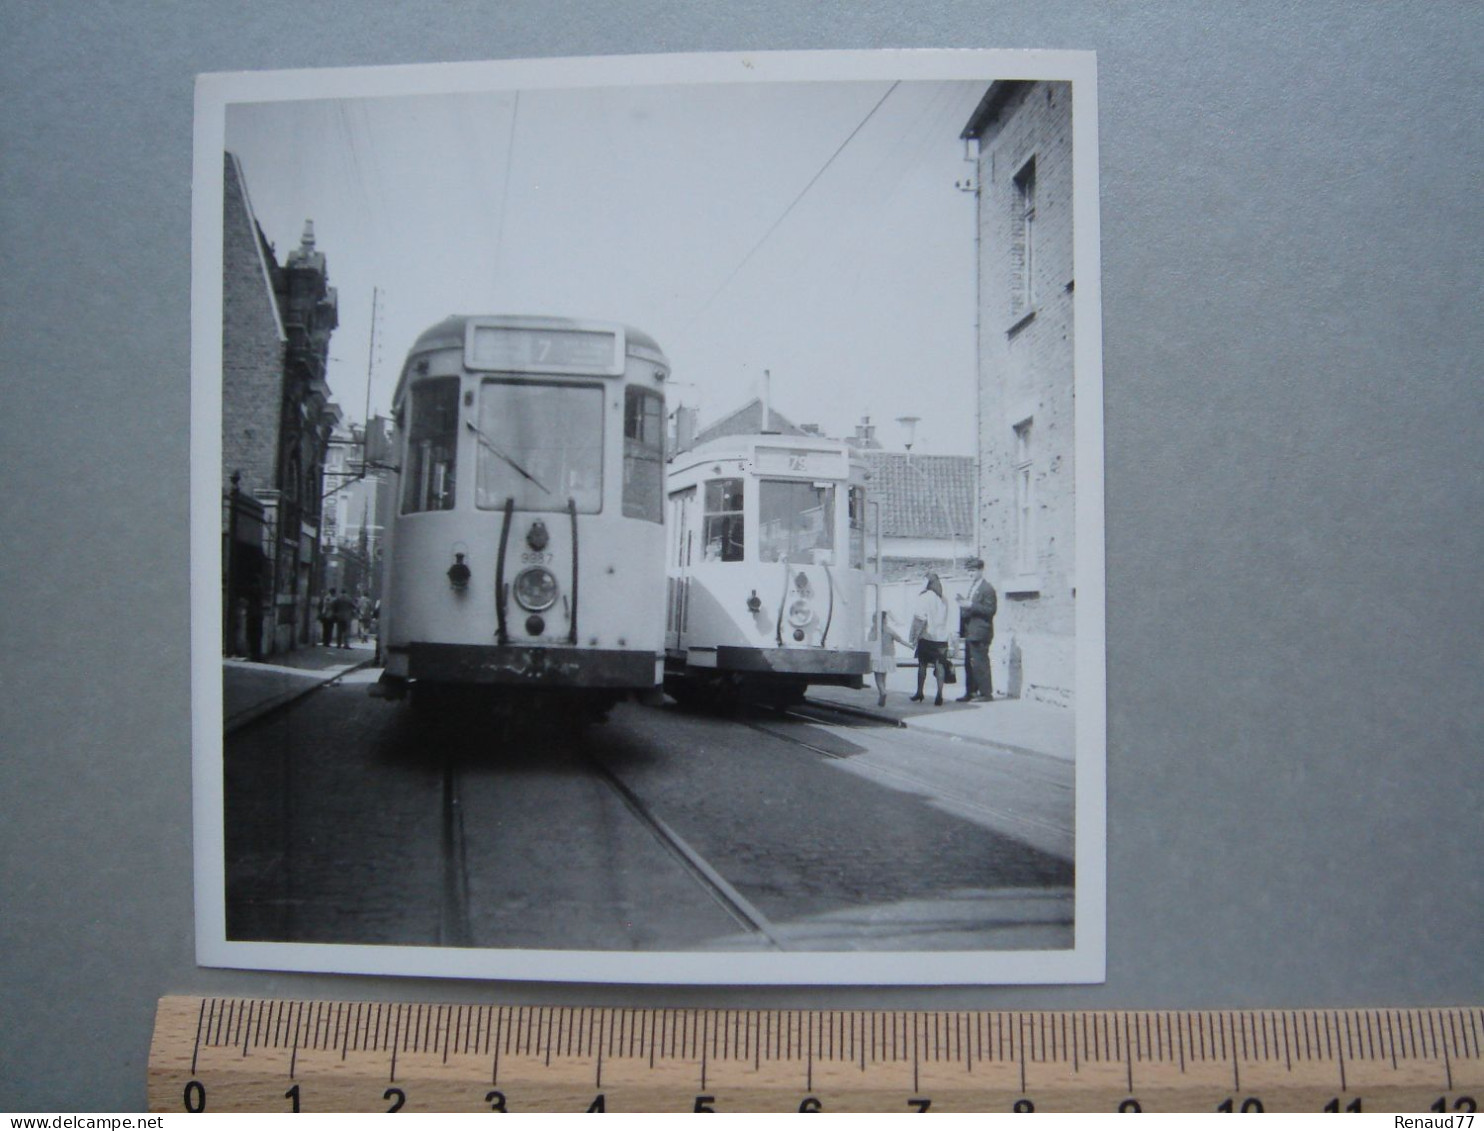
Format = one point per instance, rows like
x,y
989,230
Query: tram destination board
x,y
228,1054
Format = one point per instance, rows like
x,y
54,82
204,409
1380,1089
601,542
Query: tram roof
x,y
742,446
450,332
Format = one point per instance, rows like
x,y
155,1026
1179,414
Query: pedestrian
x,y
884,654
326,618
342,609
976,613
363,616
930,636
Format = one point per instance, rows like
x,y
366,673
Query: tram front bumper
x,y
523,665
789,661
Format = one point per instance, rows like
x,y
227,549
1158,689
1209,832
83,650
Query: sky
x,y
810,230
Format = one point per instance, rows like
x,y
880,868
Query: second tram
x,y
525,556
766,590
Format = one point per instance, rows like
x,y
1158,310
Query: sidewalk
x,y
1014,724
250,690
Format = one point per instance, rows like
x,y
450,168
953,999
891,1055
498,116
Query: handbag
x,y
949,674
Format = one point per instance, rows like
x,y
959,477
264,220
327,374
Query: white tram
x,y
766,560
525,556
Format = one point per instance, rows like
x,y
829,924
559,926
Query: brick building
x,y
276,423
1023,131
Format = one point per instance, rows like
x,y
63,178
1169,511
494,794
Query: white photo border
x,y
1084,962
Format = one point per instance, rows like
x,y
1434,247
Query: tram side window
x,y
723,530
643,454
857,528
796,522
432,446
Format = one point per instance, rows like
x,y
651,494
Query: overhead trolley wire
x,y
505,190
793,203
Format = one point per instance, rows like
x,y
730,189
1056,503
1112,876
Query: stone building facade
x,y
1023,131
276,423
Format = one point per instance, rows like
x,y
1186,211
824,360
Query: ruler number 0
x,y
195,1096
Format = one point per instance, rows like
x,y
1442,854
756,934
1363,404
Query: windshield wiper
x,y
488,446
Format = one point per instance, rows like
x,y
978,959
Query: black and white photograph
x,y
647,519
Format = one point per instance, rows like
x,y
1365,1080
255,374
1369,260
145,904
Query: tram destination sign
x,y
802,462
527,349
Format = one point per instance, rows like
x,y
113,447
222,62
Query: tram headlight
x,y
535,589
800,613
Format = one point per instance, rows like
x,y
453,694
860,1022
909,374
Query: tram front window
x,y
432,446
541,445
723,533
796,522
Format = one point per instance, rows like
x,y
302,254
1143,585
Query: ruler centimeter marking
x,y
233,1054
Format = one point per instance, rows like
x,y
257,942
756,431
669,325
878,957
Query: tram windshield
x,y
540,444
796,522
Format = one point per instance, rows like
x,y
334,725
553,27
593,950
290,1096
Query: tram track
x,y
473,805
454,925
455,912
707,877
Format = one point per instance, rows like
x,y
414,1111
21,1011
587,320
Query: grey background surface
x,y
1295,477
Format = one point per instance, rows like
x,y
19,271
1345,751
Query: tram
x,y
766,556
525,558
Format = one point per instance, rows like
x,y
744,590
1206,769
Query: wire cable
x,y
792,204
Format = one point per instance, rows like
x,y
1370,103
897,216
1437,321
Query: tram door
x,y
683,519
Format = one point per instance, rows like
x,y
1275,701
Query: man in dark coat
x,y
976,625
343,608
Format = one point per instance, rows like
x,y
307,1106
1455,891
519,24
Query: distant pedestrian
x,y
343,609
884,654
976,625
930,636
363,616
326,618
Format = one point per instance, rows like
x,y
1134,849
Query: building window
x,y
1023,241
1025,532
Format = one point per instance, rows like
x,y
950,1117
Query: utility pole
x,y
370,367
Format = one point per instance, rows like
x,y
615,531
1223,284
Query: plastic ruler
x,y
233,1054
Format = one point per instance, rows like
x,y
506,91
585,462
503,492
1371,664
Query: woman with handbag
x,y
930,636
